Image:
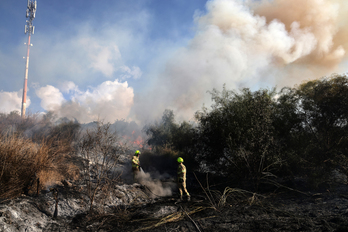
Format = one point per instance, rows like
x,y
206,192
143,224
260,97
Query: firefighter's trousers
x,y
182,188
135,172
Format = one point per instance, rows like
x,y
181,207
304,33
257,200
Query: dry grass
x,y
178,216
34,148
22,161
19,160
218,199
235,195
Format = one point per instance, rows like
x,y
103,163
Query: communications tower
x,y
29,28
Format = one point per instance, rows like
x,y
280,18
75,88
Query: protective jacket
x,y
181,173
135,163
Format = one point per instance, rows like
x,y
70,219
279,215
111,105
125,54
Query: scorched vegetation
x,y
254,161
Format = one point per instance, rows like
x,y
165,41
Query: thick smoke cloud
x,y
239,43
243,44
325,20
109,101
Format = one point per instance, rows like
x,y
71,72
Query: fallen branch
x,y
170,218
283,186
190,219
211,201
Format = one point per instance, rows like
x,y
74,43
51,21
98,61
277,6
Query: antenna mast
x,y
29,28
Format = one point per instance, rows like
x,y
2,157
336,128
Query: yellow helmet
x,y
137,152
180,160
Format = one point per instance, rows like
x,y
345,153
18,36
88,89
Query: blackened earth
x,y
277,209
281,211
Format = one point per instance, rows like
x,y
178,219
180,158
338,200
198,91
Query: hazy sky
x,y
131,59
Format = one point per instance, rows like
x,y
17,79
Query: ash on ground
x,y
138,207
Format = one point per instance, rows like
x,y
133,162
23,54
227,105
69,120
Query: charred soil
x,y
131,208
276,211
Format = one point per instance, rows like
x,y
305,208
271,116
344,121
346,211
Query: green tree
x,y
237,136
323,109
174,139
311,125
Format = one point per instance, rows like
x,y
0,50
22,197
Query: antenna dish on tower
x,y
30,14
29,28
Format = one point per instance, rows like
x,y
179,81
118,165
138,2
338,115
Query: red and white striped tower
x,y
29,28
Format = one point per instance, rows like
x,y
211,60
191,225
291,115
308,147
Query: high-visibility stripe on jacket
x,y
135,162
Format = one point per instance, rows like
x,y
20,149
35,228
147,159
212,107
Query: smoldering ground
x,y
158,174
155,186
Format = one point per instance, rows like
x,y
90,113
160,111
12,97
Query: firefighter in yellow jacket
x,y
135,164
182,179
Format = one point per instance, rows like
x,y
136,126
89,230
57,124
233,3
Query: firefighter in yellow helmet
x,y
182,179
136,164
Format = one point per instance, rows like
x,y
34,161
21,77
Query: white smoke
x,y
239,43
68,86
102,58
156,187
247,44
12,101
109,101
134,72
86,57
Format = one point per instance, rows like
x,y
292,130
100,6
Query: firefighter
x,y
136,164
182,179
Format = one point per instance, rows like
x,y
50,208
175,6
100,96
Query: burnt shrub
x,y
101,149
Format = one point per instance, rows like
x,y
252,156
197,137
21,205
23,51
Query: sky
x,y
132,59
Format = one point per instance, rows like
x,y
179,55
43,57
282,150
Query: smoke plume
x,y
254,44
324,20
250,44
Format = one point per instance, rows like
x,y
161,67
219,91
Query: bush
x,y
34,148
238,137
299,131
312,122
169,140
22,161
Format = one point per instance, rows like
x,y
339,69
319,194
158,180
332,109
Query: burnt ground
x,y
284,210
279,210
291,206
